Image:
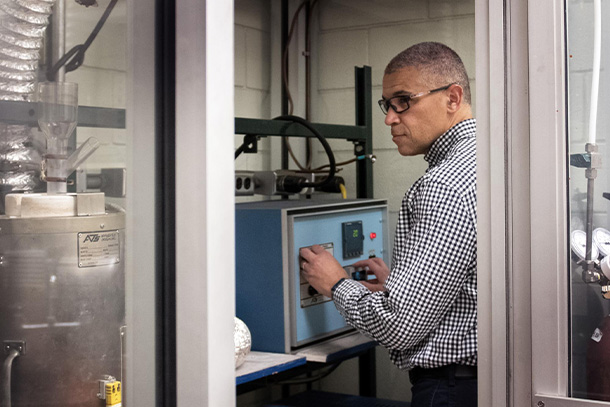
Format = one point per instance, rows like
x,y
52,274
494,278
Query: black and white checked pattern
x,y
427,316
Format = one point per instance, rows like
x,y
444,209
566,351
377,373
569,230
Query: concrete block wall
x,y
252,77
359,32
102,77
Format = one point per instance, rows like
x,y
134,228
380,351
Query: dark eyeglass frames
x,y
400,103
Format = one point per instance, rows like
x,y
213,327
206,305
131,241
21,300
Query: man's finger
x,y
362,263
317,249
306,253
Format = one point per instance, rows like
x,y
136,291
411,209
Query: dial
x,y
578,243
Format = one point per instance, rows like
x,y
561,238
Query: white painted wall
x,y
253,75
102,77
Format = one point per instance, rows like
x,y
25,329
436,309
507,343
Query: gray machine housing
x,y
62,300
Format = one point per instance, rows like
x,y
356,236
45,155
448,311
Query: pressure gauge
x,y
605,266
601,239
578,243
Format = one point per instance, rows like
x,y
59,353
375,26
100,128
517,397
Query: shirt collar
x,y
443,145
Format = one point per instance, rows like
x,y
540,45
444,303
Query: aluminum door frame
x,y
205,213
523,239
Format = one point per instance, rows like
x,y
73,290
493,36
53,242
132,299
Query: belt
x,y
448,372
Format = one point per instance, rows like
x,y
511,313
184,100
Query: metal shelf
x,y
88,116
264,127
361,134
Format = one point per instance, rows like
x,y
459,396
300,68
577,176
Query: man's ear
x,y
456,94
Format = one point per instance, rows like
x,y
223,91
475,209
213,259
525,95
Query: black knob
x,y
312,291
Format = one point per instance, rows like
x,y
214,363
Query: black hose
x,y
240,150
6,377
329,152
76,56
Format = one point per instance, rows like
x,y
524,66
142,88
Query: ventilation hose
x,y
22,27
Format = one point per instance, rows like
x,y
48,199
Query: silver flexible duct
x,y
22,27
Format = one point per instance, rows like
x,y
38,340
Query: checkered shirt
x,y
427,316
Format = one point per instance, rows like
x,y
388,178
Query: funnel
x,y
57,118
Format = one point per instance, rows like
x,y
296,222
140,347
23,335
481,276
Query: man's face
x,y
414,130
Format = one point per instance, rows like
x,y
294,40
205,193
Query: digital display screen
x,y
353,239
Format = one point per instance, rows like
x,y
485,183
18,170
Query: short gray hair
x,y
437,62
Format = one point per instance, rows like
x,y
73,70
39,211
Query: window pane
x,y
588,202
64,160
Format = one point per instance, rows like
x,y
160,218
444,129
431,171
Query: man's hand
x,y
321,269
379,269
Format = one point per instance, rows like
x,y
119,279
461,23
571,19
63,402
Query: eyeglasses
x,y
400,103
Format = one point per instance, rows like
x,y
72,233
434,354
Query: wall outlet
x,y
244,183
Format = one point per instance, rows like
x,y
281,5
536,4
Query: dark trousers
x,y
448,386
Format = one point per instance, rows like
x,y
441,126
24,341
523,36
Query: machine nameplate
x,y
98,248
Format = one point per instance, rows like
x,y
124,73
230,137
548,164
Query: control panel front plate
x,y
309,296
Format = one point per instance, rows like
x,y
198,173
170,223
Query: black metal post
x,y
364,117
367,374
284,94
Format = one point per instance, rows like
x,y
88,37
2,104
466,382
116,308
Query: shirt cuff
x,y
345,291
332,290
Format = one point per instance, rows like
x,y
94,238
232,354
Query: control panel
x,y
273,297
310,296
349,234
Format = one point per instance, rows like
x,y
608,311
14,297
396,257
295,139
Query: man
x,y
424,309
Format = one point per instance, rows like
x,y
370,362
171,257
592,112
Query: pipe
x,y
58,34
6,377
589,221
597,45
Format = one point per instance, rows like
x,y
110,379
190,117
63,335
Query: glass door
x,y
568,205
588,93
77,212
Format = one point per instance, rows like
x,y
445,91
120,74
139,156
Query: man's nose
x,y
391,117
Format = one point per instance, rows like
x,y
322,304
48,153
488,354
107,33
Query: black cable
x,y
329,152
248,145
240,150
313,378
74,58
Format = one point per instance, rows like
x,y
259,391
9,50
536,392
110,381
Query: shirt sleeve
x,y
436,255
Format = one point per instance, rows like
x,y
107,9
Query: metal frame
x,y
525,361
553,401
361,134
549,317
88,116
491,208
140,382
205,226
165,205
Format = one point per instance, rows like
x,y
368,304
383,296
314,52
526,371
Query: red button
x,y
373,235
